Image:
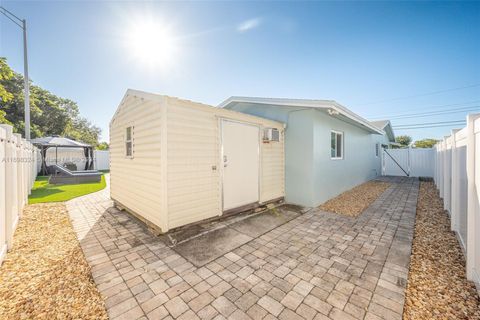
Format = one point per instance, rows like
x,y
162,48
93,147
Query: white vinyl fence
x,y
418,162
457,176
17,174
101,160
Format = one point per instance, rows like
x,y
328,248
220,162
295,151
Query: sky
x,y
416,60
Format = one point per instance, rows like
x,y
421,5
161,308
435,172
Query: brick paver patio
x,y
318,266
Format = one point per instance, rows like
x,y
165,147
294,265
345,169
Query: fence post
x,y
11,201
383,161
473,205
20,192
33,167
440,169
437,164
409,159
444,169
3,208
454,214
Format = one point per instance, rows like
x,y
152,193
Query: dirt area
x,y
45,275
437,286
354,201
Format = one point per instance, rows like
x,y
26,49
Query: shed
x,y
174,162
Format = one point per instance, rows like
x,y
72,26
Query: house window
x,y
129,142
377,149
336,145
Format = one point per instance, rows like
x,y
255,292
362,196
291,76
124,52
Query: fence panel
x,y
393,159
457,176
102,160
3,236
473,214
459,186
421,162
447,175
17,174
415,162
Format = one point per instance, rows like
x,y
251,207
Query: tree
x,y
103,146
50,114
5,74
425,143
404,140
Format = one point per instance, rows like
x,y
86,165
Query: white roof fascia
x,y
319,104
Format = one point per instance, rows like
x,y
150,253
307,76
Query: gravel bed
x,y
437,287
356,200
45,275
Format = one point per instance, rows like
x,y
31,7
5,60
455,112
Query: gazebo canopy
x,y
61,142
56,141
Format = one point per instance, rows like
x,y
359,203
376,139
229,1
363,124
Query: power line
x,y
428,127
435,113
10,16
10,13
440,107
420,95
428,123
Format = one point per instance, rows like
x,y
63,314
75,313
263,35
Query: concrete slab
x,y
205,245
208,247
259,224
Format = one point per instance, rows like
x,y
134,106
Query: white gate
x,y
408,162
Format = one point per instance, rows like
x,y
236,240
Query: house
x,y
386,126
174,162
329,149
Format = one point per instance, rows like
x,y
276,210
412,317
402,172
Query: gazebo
x,y
60,142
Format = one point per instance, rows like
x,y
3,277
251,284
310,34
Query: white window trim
x,y
343,144
132,139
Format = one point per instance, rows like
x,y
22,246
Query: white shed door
x,y
241,164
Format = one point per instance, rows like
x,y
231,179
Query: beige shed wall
x,y
194,142
136,182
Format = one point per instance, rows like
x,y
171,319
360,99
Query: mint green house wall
x,y
359,163
311,176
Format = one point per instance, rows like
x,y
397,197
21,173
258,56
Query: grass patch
x,y
44,192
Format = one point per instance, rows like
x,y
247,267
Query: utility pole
x,y
27,83
23,25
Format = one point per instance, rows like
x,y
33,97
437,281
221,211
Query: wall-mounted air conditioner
x,y
271,134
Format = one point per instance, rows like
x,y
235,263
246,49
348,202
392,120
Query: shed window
x,y
377,149
129,142
336,145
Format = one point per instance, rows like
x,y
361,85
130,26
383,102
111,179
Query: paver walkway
x,y
319,265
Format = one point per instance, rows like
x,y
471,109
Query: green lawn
x,y
44,192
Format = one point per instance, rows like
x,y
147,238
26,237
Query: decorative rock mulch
x,y
45,275
356,200
437,286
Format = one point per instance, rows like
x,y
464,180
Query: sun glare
x,y
151,44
